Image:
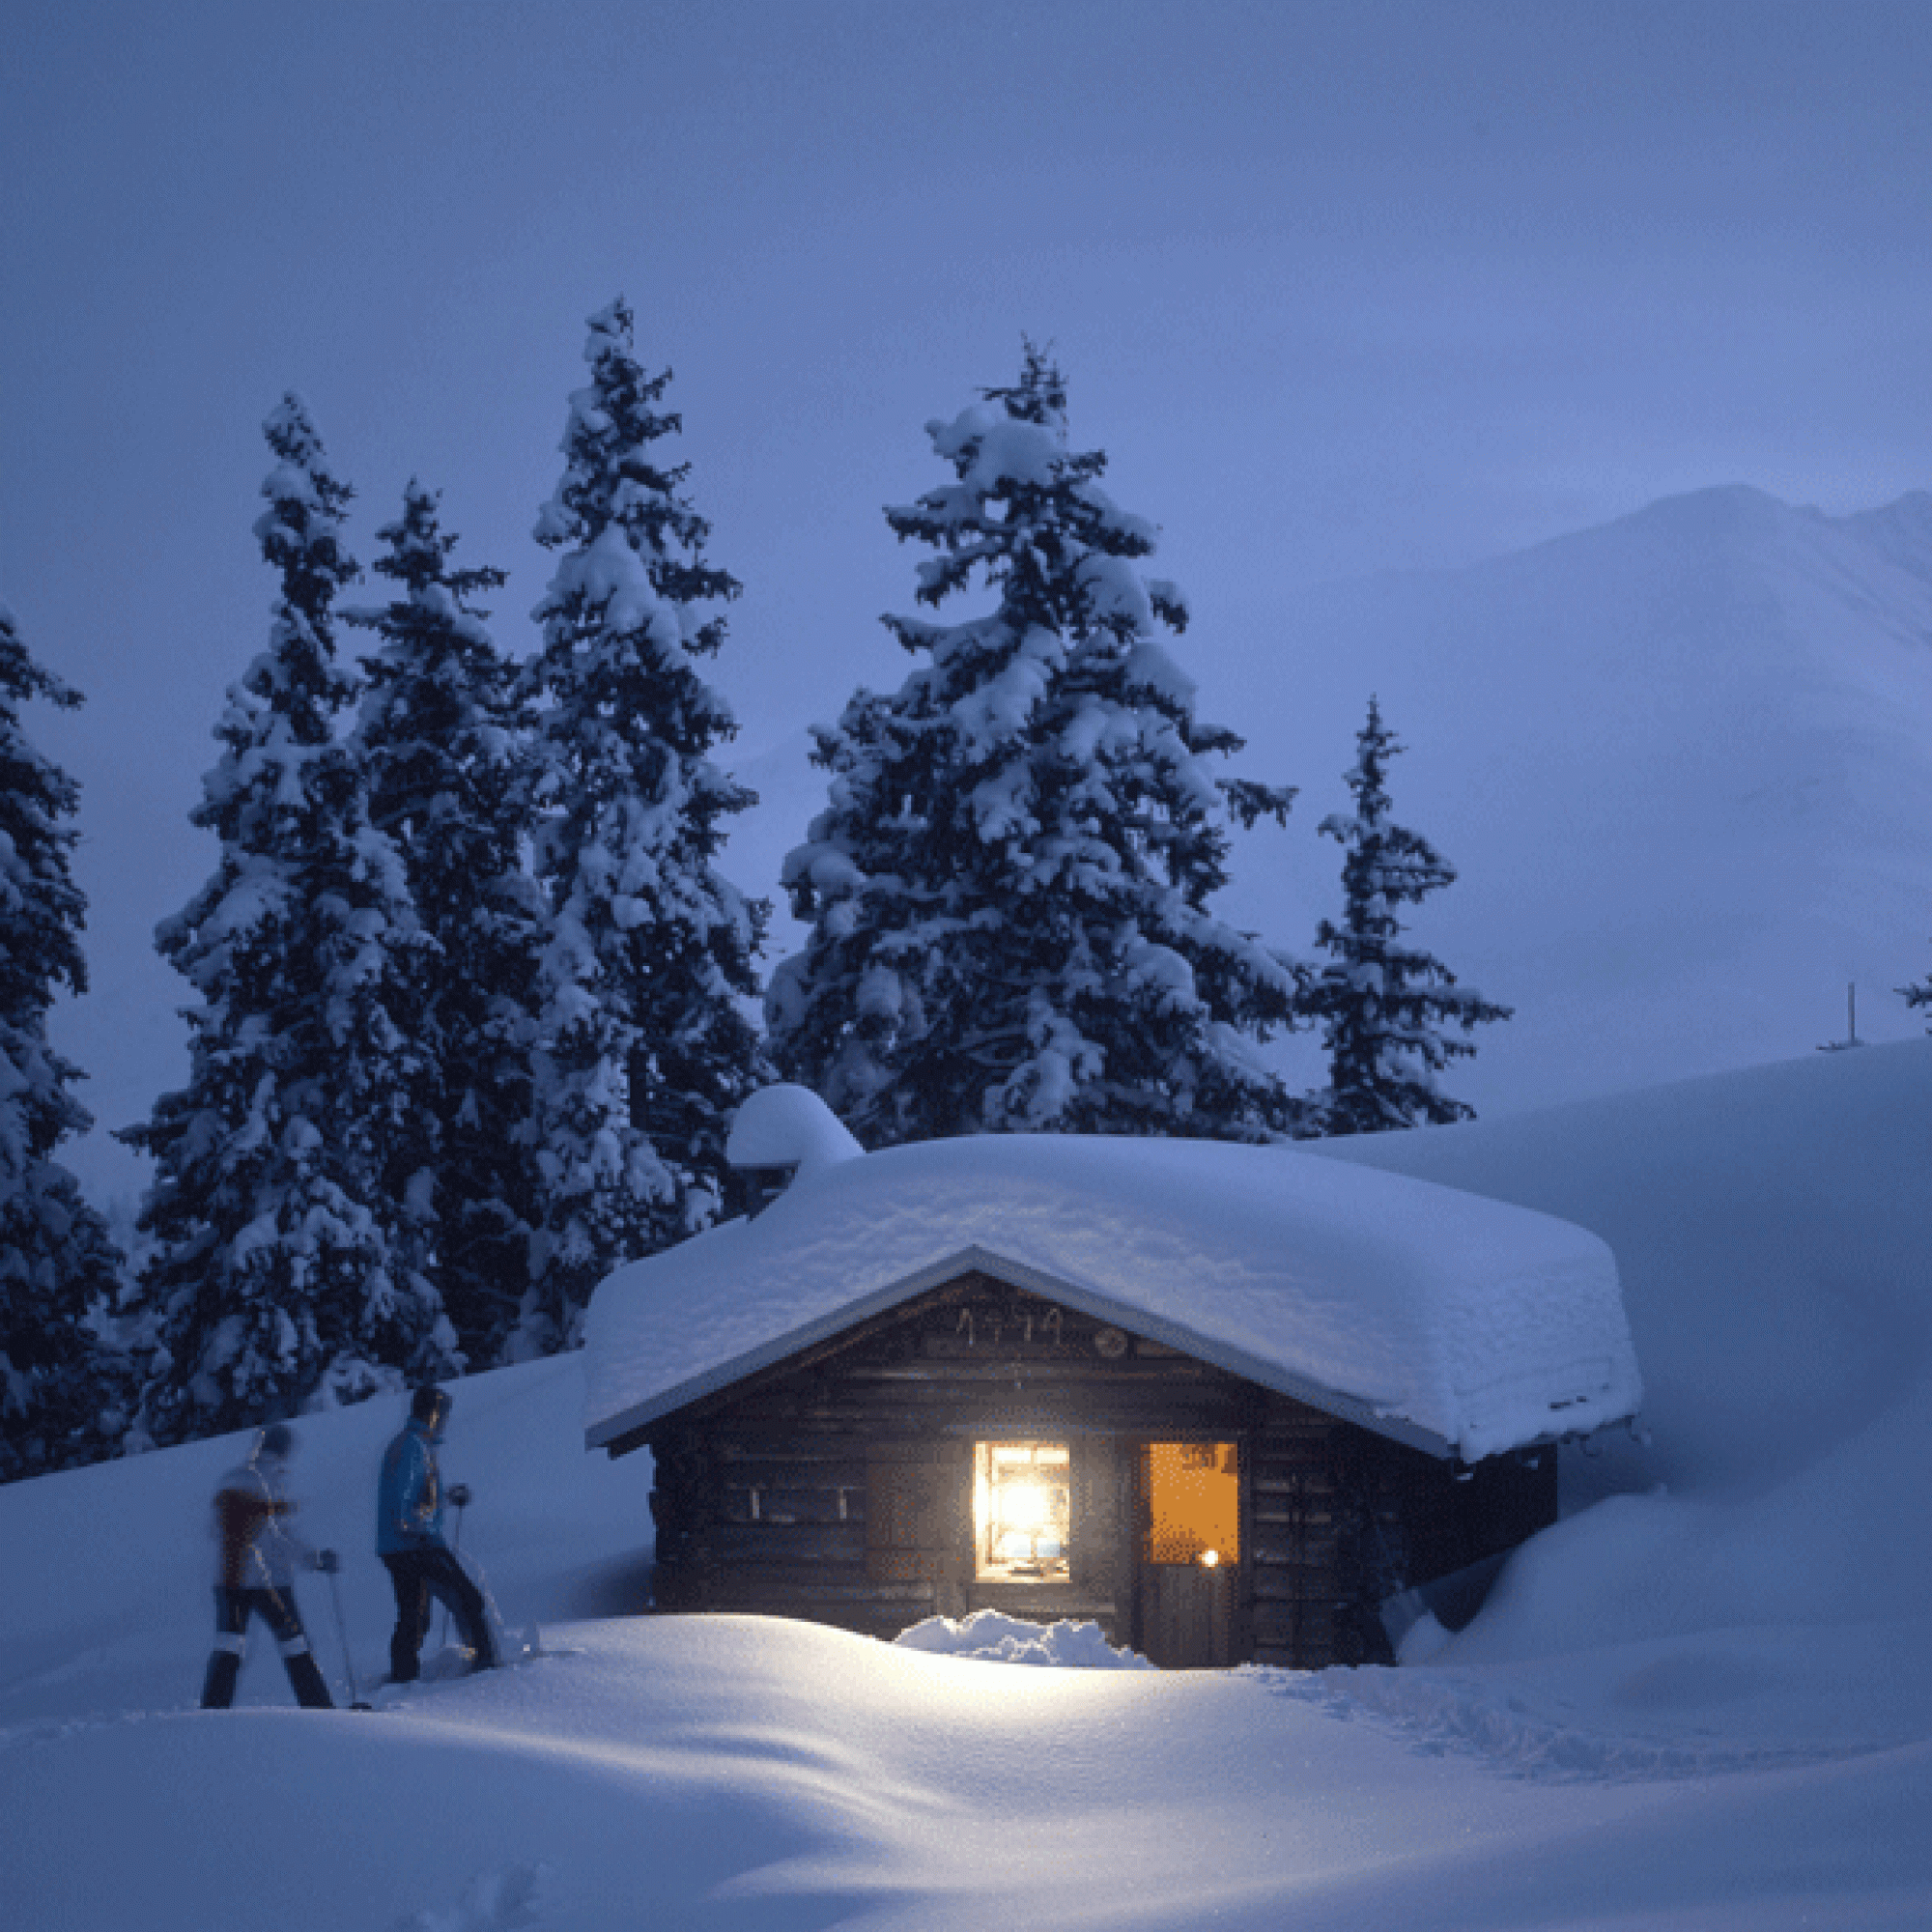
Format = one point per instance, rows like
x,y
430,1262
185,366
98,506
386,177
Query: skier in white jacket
x,y
255,1573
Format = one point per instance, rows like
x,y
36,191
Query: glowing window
x,y
1022,1511
1194,1503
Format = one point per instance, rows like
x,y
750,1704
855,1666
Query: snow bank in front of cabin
x,y
738,1772
1710,1706
1482,1325
998,1638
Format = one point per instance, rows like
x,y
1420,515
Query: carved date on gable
x,y
1004,1324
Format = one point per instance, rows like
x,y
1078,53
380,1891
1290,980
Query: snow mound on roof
x,y
1474,1325
998,1638
788,1127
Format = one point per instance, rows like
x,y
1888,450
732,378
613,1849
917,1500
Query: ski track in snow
x,y
53,1730
494,1901
1437,1717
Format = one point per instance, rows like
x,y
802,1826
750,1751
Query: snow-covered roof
x,y
1456,1322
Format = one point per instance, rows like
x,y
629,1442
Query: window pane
x,y
1022,1511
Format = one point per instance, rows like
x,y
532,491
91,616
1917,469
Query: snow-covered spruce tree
x,y
644,1048
290,1260
1008,889
1383,1006
442,744
62,1392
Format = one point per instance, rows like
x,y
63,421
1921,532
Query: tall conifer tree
x,y
289,1265
644,1047
60,1387
441,741
1384,1008
1010,887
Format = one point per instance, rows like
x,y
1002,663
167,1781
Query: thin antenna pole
x,y
1851,1038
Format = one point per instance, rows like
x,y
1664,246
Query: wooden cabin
x,y
1210,1397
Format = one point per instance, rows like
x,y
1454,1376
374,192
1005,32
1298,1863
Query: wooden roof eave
x,y
628,1428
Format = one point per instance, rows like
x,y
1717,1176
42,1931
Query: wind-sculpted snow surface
x,y
494,1901
1732,1701
747,1774
1705,1710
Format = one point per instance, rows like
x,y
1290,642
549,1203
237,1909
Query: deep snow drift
x,y
1707,1706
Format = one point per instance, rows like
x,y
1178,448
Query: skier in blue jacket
x,y
410,1541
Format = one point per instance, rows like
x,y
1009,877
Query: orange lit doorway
x,y
1189,1497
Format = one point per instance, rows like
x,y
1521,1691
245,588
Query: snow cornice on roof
x,y
1455,1324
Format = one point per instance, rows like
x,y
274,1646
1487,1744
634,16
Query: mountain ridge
x,y
1687,754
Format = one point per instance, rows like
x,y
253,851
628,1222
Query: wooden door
x,y
1188,1579
1188,1616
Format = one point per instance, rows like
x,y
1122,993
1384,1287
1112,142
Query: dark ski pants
x,y
419,1575
276,1607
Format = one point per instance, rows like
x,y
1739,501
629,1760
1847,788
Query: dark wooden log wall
x,y
1327,1502
837,1487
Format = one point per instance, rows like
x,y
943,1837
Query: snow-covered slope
x,y
110,1566
1707,1706
1682,763
1772,1231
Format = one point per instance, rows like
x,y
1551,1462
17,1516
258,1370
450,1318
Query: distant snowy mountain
x,y
1682,764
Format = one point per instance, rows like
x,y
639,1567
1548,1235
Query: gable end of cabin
x,y
985,1446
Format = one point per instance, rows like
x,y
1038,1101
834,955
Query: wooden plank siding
x,y
837,1486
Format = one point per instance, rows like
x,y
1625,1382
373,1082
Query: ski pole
x,y
355,1700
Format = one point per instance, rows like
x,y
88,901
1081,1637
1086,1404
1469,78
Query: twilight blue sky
x,y
1338,287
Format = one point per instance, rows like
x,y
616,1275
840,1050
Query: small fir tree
x,y
1009,888
1920,995
290,1257
441,740
1383,1006
63,1392
644,1047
